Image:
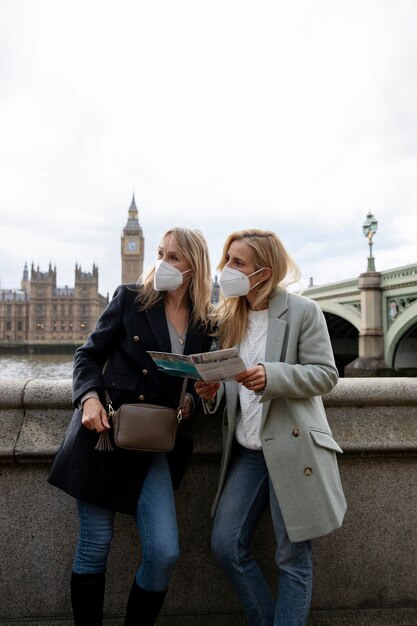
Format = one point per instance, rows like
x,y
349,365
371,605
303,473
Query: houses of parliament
x,y
41,315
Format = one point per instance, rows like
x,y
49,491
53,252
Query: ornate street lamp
x,y
369,230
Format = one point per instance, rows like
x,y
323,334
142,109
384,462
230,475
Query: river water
x,y
52,366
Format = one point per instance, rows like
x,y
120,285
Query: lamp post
x,y
371,359
369,230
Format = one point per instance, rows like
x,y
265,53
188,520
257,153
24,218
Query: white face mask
x,y
167,277
234,283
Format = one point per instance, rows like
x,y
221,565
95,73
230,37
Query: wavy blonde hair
x,y
268,251
193,245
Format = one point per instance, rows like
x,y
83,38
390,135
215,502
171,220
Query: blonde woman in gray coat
x,y
278,448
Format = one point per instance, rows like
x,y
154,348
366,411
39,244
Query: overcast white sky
x,y
298,116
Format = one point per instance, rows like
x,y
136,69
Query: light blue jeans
x,y
156,521
246,494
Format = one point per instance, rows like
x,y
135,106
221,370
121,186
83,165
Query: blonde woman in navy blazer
x,y
169,313
278,448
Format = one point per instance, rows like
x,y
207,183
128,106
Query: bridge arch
x,y
345,311
401,340
344,337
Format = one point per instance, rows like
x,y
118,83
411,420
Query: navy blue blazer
x,y
121,338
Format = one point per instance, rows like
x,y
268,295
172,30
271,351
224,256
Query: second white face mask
x,y
234,283
167,277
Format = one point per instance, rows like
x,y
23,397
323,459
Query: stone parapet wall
x,y
364,572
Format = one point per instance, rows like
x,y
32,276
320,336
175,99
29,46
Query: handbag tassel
x,y
104,444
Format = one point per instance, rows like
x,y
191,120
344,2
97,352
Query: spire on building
x,y
132,223
133,204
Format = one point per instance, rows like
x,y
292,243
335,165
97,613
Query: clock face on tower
x,y
131,246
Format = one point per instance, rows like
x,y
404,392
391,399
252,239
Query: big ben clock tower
x,y
132,247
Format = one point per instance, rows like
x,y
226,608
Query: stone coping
x,y
41,393
373,392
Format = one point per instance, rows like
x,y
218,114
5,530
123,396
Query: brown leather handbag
x,y
143,427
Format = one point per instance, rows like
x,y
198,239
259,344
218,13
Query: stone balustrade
x,y
365,573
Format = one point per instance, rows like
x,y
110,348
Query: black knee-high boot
x,y
143,606
87,597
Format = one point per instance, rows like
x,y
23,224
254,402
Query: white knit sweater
x,y
252,351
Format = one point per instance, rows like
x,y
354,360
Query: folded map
x,y
215,366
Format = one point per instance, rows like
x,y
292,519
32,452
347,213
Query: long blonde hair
x,y
193,245
268,251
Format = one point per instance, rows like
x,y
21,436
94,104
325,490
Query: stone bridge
x,y
373,316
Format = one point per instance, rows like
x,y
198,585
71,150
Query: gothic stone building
x,y
40,314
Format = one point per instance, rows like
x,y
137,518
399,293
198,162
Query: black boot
x,y
143,606
87,597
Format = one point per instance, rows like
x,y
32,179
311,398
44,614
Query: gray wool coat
x,y
297,442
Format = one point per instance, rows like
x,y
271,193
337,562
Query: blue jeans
x,y
155,520
245,496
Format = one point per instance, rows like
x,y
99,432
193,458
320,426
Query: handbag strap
x,y
180,403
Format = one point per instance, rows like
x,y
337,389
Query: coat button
x,y
141,397
308,471
145,372
135,338
295,432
